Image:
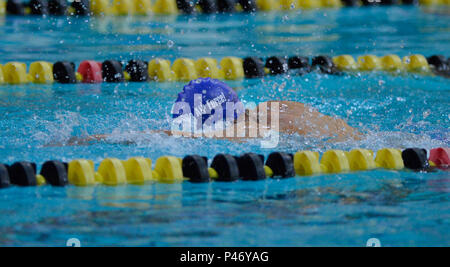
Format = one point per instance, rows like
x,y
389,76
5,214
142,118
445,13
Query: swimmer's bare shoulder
x,y
298,118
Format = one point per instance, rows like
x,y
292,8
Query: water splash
x,y
59,130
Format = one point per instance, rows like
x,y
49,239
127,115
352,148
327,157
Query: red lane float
x,y
440,156
91,71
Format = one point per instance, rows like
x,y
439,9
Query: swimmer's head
x,y
208,99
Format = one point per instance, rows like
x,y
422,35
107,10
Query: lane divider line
x,y
229,68
223,168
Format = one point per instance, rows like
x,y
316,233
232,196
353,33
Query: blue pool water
x,y
398,207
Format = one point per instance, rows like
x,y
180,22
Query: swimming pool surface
x,y
397,207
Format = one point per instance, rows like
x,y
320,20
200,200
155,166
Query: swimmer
x,y
209,99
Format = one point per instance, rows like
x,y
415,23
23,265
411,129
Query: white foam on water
x,y
135,132
400,140
59,130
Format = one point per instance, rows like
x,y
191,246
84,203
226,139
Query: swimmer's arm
x,y
80,141
218,135
97,138
89,140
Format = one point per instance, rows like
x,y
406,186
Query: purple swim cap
x,y
214,96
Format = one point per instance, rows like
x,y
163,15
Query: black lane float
x,y
64,72
55,173
138,70
227,168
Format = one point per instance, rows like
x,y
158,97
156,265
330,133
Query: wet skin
x,y
293,118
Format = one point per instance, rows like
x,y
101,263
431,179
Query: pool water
x,y
392,110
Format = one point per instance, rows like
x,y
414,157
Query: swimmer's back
x,y
297,118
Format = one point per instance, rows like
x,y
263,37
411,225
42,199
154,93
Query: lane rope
x,y
173,7
229,68
223,167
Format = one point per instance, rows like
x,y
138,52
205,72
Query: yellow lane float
x,y
345,63
41,72
416,63
391,63
184,69
15,73
389,158
232,68
160,70
369,63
